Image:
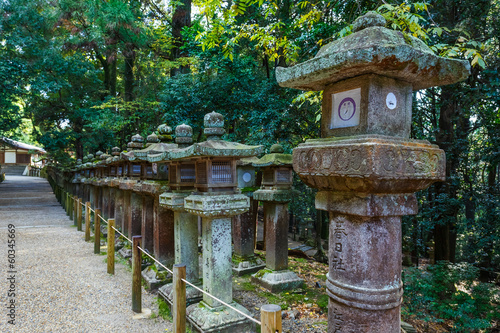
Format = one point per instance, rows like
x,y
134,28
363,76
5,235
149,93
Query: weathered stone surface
x,y
247,265
281,196
371,205
216,205
277,281
192,295
369,164
377,114
174,200
151,278
147,226
163,225
204,318
374,50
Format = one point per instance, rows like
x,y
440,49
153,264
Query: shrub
x,y
451,292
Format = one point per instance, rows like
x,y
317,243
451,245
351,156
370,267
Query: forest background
x,y
79,76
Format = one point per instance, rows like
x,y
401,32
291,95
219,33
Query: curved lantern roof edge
x,y
392,58
215,148
275,159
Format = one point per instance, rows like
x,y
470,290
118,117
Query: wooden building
x,y
18,154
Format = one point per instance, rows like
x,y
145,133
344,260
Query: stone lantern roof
x,y
374,49
275,158
215,146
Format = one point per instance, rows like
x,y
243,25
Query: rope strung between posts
x,y
203,291
102,218
122,235
185,281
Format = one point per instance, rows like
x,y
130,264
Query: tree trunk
x,y
180,19
129,54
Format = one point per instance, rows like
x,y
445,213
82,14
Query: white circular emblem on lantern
x,y
391,101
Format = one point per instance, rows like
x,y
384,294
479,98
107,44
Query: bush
x,y
451,292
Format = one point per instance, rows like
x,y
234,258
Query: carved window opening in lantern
x,y
162,171
147,169
277,178
172,172
92,173
135,170
187,174
268,177
112,171
182,175
105,171
119,171
216,175
201,172
125,170
87,173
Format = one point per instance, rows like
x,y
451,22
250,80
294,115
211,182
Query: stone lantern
x,y
185,224
135,167
216,201
244,225
275,193
182,173
115,170
366,168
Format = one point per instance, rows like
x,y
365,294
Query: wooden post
x,y
71,206
97,231
75,210
136,275
79,215
270,318
111,246
87,221
179,301
66,203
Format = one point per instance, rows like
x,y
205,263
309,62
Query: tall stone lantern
x,y
365,167
185,224
216,200
275,193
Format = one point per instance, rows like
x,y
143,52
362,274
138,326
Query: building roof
x,y
21,145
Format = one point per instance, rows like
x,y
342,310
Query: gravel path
x,y
60,285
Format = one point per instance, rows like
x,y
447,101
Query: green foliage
x,y
450,292
163,309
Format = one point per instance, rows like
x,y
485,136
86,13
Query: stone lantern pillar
x,y
185,224
216,201
105,189
117,194
366,168
132,173
244,225
275,193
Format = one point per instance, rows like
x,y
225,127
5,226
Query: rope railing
x,y
201,290
271,313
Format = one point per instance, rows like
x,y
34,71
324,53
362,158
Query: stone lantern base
x,y
192,295
247,265
277,281
153,279
204,318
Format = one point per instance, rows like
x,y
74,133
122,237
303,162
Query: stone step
x,y
13,169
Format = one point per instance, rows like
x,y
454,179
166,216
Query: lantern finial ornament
x,y
183,135
137,142
164,133
214,126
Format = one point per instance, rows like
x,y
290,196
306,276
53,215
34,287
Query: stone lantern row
x,y
365,167
163,190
